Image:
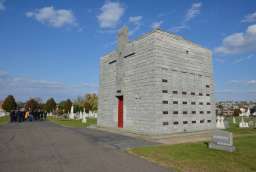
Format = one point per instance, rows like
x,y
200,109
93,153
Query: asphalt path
x,y
44,146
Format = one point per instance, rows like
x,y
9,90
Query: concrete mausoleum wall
x,y
138,71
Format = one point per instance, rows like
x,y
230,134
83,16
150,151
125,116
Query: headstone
x,y
71,114
220,122
243,124
222,140
81,115
248,113
84,120
90,114
251,124
234,120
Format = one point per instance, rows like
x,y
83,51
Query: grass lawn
x,y
234,128
4,120
73,123
196,157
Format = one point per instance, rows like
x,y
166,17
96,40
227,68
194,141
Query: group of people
x,y
21,116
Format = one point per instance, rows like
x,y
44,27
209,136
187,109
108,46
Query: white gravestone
x,y
71,114
90,114
80,115
243,124
220,122
234,120
84,120
248,113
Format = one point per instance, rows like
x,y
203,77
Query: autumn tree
x,y
50,105
65,106
78,104
32,105
236,112
91,102
9,104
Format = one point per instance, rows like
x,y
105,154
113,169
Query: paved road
x,y
44,146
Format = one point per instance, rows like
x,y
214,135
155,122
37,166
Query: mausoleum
x,y
159,83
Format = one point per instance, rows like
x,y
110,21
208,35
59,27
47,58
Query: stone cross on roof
x,y
122,40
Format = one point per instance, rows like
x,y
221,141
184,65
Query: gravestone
x,y
234,120
71,115
220,122
251,124
243,124
222,140
84,120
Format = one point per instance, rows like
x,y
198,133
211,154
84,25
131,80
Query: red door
x,y
120,112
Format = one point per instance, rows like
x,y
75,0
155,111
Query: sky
x,y
53,48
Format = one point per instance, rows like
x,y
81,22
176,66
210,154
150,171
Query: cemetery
x,y
236,157
130,86
76,123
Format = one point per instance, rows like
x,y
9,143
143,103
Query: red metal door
x,y
120,112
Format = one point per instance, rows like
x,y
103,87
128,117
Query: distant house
x,y
228,112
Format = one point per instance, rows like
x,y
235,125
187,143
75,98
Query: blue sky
x,y
52,48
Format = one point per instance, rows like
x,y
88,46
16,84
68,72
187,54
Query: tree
x,y
220,108
32,105
9,104
50,105
78,104
65,106
91,102
20,104
236,112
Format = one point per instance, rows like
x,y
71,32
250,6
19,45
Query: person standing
x,y
45,115
12,114
26,115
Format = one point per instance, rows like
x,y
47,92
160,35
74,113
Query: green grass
x,y
73,123
234,128
4,119
196,157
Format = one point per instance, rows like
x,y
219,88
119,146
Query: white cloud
x,y
135,19
190,14
243,42
252,82
250,18
242,59
111,13
135,24
53,17
243,82
23,88
2,7
157,24
193,11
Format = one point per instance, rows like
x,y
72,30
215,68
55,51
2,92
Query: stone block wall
x,y
162,74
